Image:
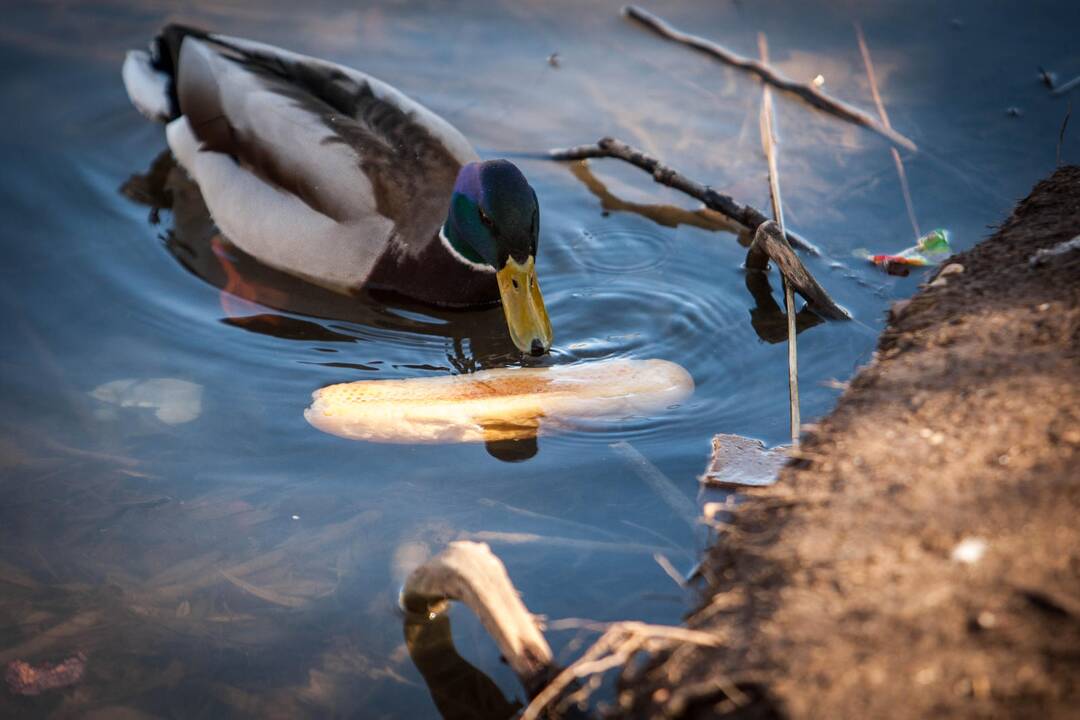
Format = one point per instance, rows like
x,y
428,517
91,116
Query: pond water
x,y
168,512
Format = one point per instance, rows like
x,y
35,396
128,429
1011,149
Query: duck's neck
x,y
460,249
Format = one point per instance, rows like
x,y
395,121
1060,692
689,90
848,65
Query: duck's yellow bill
x,y
526,316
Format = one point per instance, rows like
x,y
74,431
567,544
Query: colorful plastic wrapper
x,y
931,249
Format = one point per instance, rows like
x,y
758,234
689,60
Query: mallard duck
x,y
333,176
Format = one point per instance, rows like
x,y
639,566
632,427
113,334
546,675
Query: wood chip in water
x,y
742,461
494,405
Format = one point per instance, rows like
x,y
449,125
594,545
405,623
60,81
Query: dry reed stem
x,y
864,49
768,143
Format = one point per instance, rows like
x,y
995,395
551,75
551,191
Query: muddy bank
x,y
921,556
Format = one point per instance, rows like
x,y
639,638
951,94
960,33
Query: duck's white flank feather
x,y
148,88
295,137
275,226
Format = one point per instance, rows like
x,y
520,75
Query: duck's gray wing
x,y
314,168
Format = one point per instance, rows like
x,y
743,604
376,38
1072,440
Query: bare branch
x,y
743,215
809,93
1066,87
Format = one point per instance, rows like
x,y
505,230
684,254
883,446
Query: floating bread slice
x,y
493,405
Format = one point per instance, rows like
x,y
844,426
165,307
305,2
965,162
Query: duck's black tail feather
x,y
150,77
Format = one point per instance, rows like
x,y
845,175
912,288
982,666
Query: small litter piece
x,y
931,249
26,679
739,461
174,401
969,550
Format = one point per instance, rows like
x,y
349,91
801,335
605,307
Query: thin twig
x,y
1066,87
768,143
615,648
743,215
897,160
658,481
669,569
811,94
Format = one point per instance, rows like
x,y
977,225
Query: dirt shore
x,y
921,556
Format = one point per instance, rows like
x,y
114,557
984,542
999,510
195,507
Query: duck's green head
x,y
494,221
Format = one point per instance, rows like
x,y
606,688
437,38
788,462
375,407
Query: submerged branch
x,y
809,93
665,215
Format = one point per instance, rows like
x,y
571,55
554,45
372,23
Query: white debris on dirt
x,y
1044,255
969,550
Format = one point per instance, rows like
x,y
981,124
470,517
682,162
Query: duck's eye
x,y
483,216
